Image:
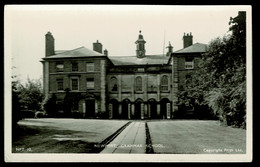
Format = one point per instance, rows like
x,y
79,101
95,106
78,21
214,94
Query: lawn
x,y
62,135
196,137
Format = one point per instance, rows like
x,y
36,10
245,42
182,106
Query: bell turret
x,y
140,46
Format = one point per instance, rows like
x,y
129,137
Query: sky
x,y
116,27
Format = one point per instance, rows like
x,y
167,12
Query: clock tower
x,y
140,46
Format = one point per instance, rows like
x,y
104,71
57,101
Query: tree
x,y
220,83
31,94
15,103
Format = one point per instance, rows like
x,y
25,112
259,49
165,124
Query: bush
x,y
27,114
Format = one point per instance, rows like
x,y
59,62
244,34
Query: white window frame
x,y
57,84
164,86
189,65
71,86
137,86
92,83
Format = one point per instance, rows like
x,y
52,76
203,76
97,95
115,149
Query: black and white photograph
x,y
128,83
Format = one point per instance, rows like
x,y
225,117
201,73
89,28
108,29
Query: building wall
x,y
182,72
99,75
126,87
126,91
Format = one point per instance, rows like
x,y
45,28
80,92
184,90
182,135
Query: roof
x,y
75,53
133,60
195,48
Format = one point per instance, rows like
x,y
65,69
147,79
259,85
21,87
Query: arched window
x,y
164,83
113,84
138,84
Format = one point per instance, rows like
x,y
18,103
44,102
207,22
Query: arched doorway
x,y
165,107
152,109
126,108
139,105
113,109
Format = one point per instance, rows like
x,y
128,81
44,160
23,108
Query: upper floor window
x,y
59,84
59,66
164,83
140,69
138,84
90,67
74,84
189,63
113,84
90,83
75,67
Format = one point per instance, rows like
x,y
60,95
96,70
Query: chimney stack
x,y
105,52
97,47
49,45
187,40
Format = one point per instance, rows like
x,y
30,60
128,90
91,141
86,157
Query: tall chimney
x,y
49,45
105,52
187,40
97,47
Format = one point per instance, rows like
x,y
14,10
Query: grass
x,y
61,135
36,139
196,137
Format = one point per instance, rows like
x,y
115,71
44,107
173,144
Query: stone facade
x,y
128,87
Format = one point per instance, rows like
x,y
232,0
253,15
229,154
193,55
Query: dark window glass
x,y
75,67
75,85
138,84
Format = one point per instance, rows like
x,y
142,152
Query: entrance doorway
x,y
90,108
125,108
153,109
165,106
138,107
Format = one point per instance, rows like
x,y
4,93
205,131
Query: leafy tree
x,y
31,94
220,83
15,103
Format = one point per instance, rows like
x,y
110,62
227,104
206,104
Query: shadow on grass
x,y
37,139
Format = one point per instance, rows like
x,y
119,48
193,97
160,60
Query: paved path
x,y
131,140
